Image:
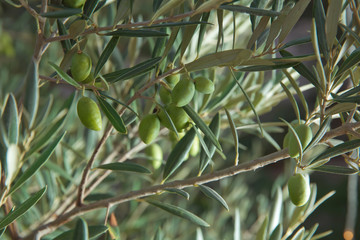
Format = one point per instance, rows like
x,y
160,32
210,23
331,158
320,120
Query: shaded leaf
x,y
354,99
204,18
63,13
39,162
318,163
267,67
105,55
180,192
211,193
122,166
64,75
335,169
331,24
250,10
324,127
66,44
170,5
136,33
202,126
235,135
22,208
262,232
339,149
178,154
232,57
180,212
214,126
112,115
94,231
31,101
319,15
276,234
351,60
81,231
179,24
89,7
137,70
10,119
292,100
119,102
341,107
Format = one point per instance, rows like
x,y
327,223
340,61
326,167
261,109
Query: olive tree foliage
x,y
61,180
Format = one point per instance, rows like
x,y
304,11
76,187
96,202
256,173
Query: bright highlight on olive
x,y
204,85
80,66
183,92
89,113
149,128
305,135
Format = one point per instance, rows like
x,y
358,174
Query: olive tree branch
x,y
156,189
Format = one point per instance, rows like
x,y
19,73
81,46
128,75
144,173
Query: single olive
x,y
80,66
74,3
195,147
299,189
89,113
173,79
149,128
155,154
305,135
183,92
178,116
204,85
165,95
89,79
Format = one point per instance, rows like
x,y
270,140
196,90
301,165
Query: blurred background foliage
x,y
251,196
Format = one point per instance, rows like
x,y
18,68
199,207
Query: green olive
x,y
89,79
165,95
149,128
195,147
286,140
89,113
173,79
299,189
305,135
178,116
155,154
183,92
74,3
204,85
80,66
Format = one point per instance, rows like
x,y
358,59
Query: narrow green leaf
x,y
324,127
292,18
258,31
66,44
232,57
189,33
341,107
170,5
94,231
336,169
202,126
220,19
332,17
318,163
296,42
319,15
178,154
277,233
202,142
39,162
299,234
352,60
122,166
250,10
89,8
105,55
112,115
267,67
137,70
159,45
23,208
2,231
119,102
249,102
178,24
351,91
262,232
122,12
211,193
224,94
159,235
180,212
10,119
339,149
303,71
56,169
81,231
235,135
63,13
292,130
292,100
137,33
311,232
354,99
180,192
31,101
64,75
215,128
204,18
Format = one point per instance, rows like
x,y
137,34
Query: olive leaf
x,y
22,208
335,169
64,75
10,120
89,8
105,55
121,166
112,115
180,192
81,231
180,212
31,100
211,193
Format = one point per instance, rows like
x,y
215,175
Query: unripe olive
x,y
183,92
172,80
74,3
294,123
177,115
305,135
195,147
89,79
80,66
149,128
89,113
154,152
204,85
165,95
299,189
